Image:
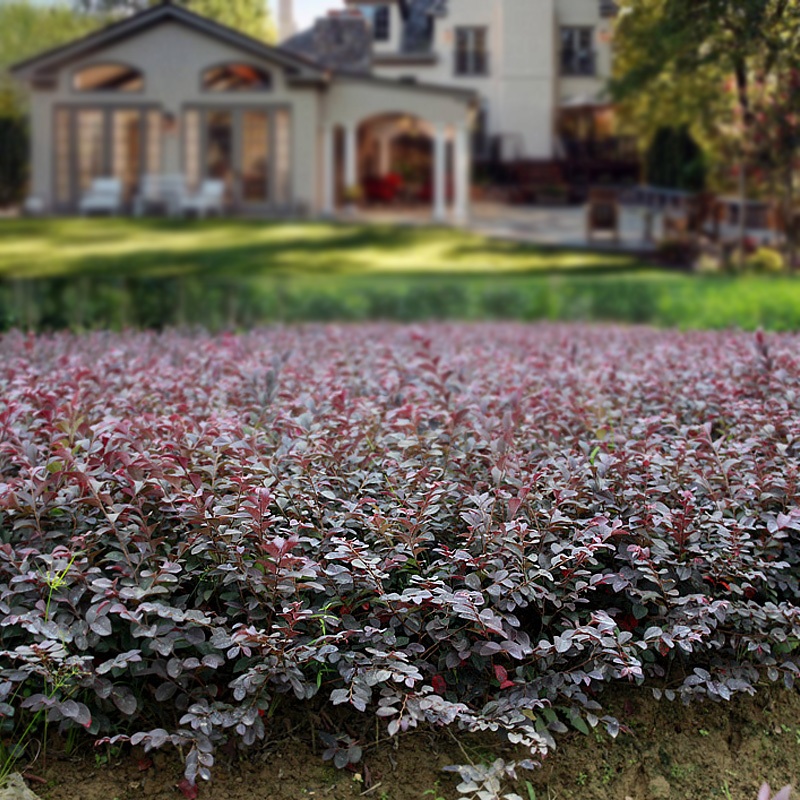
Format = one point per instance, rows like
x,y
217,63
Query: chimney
x,y
286,24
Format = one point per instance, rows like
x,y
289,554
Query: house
x,y
166,92
539,67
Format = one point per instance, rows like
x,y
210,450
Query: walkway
x,y
551,227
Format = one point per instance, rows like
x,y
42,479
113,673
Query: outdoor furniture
x,y
104,195
210,197
163,192
33,206
603,213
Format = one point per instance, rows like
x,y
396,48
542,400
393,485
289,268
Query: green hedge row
x,y
656,298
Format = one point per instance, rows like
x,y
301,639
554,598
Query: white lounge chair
x,y
165,192
210,197
104,195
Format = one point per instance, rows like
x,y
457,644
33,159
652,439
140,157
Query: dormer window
x,y
382,26
379,19
108,78
236,78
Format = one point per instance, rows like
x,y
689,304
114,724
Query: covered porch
x,y
390,147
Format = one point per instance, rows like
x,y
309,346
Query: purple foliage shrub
x,y
478,526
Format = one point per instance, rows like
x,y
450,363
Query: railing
x,y
615,148
579,63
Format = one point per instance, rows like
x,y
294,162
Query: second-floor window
x,y
379,19
382,24
578,56
472,55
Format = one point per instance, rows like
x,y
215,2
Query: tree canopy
x,y
702,63
27,29
249,16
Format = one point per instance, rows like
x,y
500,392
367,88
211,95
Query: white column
x,y
329,169
385,154
351,156
440,173
463,175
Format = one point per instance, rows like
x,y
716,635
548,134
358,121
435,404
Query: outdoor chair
x,y
163,192
104,195
603,214
210,197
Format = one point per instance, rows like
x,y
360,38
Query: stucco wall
x,y
173,58
519,89
581,13
353,101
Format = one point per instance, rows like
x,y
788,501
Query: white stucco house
x,y
395,98
531,63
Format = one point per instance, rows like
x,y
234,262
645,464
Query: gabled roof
x,y
130,26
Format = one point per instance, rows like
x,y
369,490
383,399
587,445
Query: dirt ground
x,y
702,752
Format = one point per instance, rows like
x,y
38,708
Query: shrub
x,y
675,160
14,146
479,526
765,260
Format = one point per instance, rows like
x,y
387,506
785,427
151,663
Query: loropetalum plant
x,y
471,526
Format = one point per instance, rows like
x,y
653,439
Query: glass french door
x,y
119,142
246,148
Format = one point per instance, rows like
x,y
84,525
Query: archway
x,y
396,161
417,133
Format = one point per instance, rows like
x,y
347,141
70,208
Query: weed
x,y
433,793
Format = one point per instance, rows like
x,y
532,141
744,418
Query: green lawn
x,y
38,248
97,273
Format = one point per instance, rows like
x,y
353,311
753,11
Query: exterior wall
x,y
349,102
396,32
518,92
580,13
42,164
524,88
173,58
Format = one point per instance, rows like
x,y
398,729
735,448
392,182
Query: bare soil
x,y
701,752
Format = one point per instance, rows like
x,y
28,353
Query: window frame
x,y
265,89
471,51
575,66
78,71
382,24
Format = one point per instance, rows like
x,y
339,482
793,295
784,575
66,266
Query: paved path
x,y
554,227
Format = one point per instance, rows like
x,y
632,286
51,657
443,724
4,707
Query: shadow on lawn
x,y
248,248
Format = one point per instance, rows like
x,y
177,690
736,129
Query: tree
x,y
677,58
675,160
705,63
26,29
776,147
249,16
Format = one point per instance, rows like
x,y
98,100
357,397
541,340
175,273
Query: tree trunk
x,y
789,234
742,212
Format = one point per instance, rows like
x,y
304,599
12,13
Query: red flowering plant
x,y
472,526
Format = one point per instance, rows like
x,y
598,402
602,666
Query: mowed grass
x,y
249,248
220,273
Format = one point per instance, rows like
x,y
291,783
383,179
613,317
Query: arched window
x,y
108,78
236,78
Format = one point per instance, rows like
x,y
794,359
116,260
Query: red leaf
x,y
506,684
188,790
144,764
500,673
439,684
